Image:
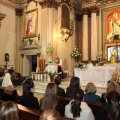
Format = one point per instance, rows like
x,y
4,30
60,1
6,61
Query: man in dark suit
x,y
60,91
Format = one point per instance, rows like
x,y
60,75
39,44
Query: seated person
x,y
50,115
50,99
90,95
7,80
111,109
78,110
74,85
112,86
60,91
9,111
28,99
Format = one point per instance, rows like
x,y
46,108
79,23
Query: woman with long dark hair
x,y
77,109
50,99
74,84
111,109
28,99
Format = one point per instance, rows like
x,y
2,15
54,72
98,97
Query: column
x,y
85,35
94,39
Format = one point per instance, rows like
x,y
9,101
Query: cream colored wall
x,y
7,36
64,48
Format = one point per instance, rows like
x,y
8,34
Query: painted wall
x,y
7,36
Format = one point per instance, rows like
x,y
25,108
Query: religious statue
x,y
113,59
113,26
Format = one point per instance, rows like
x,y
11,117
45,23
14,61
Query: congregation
x,y
50,105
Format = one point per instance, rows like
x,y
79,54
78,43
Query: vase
x,y
52,79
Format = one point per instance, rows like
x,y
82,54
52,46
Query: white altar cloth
x,y
98,75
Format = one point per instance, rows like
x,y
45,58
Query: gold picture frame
x,y
30,23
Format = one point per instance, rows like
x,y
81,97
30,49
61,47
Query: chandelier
x,y
2,16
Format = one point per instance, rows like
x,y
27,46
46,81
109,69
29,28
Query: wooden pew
x,y
93,105
32,114
7,97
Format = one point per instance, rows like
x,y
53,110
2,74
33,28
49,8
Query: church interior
x,y
81,37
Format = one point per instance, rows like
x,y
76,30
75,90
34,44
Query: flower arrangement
x,y
49,49
75,53
80,65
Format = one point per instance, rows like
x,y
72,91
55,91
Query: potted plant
x,y
52,75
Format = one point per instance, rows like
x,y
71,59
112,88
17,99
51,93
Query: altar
x,y
98,75
42,75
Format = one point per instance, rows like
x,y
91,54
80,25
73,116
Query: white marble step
x,y
41,86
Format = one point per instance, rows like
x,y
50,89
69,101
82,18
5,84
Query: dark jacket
x,y
29,101
60,91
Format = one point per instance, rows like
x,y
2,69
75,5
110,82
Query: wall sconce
x,y
65,34
2,16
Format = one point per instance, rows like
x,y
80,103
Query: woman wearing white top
x,y
7,81
77,109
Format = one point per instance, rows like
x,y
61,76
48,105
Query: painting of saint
x,y
113,25
30,23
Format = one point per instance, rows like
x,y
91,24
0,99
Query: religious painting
x,y
6,57
30,23
113,26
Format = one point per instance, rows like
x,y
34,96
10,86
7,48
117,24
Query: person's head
x,y
5,66
113,97
75,82
113,86
57,80
28,86
50,97
9,111
75,104
50,115
90,88
113,108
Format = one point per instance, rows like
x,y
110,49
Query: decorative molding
x,y
94,9
2,16
84,11
19,12
49,4
30,46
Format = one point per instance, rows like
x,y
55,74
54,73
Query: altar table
x,y
98,75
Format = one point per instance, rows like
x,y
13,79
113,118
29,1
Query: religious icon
x,y
30,19
113,26
6,57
